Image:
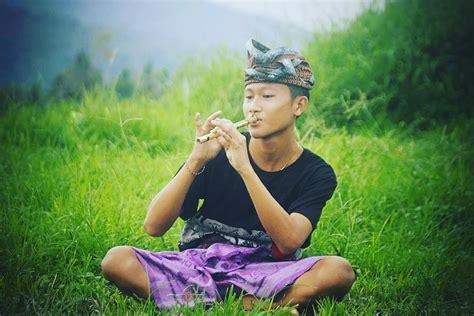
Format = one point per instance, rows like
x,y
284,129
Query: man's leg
x,y
329,277
121,267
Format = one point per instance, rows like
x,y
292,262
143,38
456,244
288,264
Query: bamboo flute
x,y
239,124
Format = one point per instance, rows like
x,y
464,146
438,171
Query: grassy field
x,y
77,178
391,112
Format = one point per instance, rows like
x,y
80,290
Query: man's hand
x,y
234,144
204,152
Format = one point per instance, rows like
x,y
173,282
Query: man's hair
x,y
298,91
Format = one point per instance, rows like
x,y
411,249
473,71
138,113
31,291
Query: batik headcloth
x,y
279,65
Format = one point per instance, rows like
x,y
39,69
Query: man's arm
x,y
167,205
288,231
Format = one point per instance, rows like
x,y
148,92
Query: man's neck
x,y
276,152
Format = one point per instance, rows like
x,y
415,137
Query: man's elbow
x,y
153,230
290,246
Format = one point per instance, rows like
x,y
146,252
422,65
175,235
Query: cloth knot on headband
x,y
279,65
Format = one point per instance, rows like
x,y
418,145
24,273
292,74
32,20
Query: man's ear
x,y
300,103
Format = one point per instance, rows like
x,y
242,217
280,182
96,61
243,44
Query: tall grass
x,y
411,62
77,177
77,180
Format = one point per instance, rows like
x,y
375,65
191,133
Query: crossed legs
x,y
329,277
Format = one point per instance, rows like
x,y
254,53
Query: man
x,y
263,195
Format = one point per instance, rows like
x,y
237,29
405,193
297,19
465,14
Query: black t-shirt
x,y
303,187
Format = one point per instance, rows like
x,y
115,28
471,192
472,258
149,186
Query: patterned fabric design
x,y
280,65
199,228
183,278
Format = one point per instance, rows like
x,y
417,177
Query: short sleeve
x,y
315,190
196,191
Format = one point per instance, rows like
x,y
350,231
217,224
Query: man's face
x,y
272,105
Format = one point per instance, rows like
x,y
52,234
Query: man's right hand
x,y
203,152
167,205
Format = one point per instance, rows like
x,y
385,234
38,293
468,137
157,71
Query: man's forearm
x,y
276,221
166,206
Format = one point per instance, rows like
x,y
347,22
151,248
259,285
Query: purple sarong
x,y
183,278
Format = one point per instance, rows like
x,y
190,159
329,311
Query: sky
x,y
38,39
310,15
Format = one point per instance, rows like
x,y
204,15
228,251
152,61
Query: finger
x,y
230,129
236,136
224,124
198,123
224,134
223,142
207,124
197,120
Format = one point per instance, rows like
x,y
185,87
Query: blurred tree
x,y
10,95
153,82
80,76
146,83
124,86
35,93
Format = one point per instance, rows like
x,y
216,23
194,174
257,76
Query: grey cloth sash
x,y
201,232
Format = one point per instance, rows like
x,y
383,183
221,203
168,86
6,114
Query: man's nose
x,y
254,106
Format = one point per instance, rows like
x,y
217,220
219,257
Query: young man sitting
x,y
263,196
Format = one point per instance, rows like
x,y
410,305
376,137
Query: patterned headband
x,y
279,65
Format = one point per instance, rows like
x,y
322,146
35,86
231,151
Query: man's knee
x,y
122,267
337,276
329,277
117,261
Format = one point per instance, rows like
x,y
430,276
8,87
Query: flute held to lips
x,y
239,124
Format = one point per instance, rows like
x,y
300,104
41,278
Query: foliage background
x,y
391,112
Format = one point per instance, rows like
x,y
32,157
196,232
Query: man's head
x,y
279,65
277,84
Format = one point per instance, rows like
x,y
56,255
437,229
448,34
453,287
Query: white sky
x,y
311,15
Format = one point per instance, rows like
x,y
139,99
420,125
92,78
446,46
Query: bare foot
x,y
250,300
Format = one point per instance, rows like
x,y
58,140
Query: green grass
x,y
76,180
77,176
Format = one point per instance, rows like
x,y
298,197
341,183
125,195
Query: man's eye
x,y
268,96
248,97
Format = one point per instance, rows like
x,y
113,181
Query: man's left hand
x,y
234,143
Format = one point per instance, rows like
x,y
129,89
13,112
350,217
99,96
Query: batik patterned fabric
x,y
203,275
198,229
279,65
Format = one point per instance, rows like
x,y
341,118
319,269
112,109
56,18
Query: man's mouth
x,y
252,119
255,122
